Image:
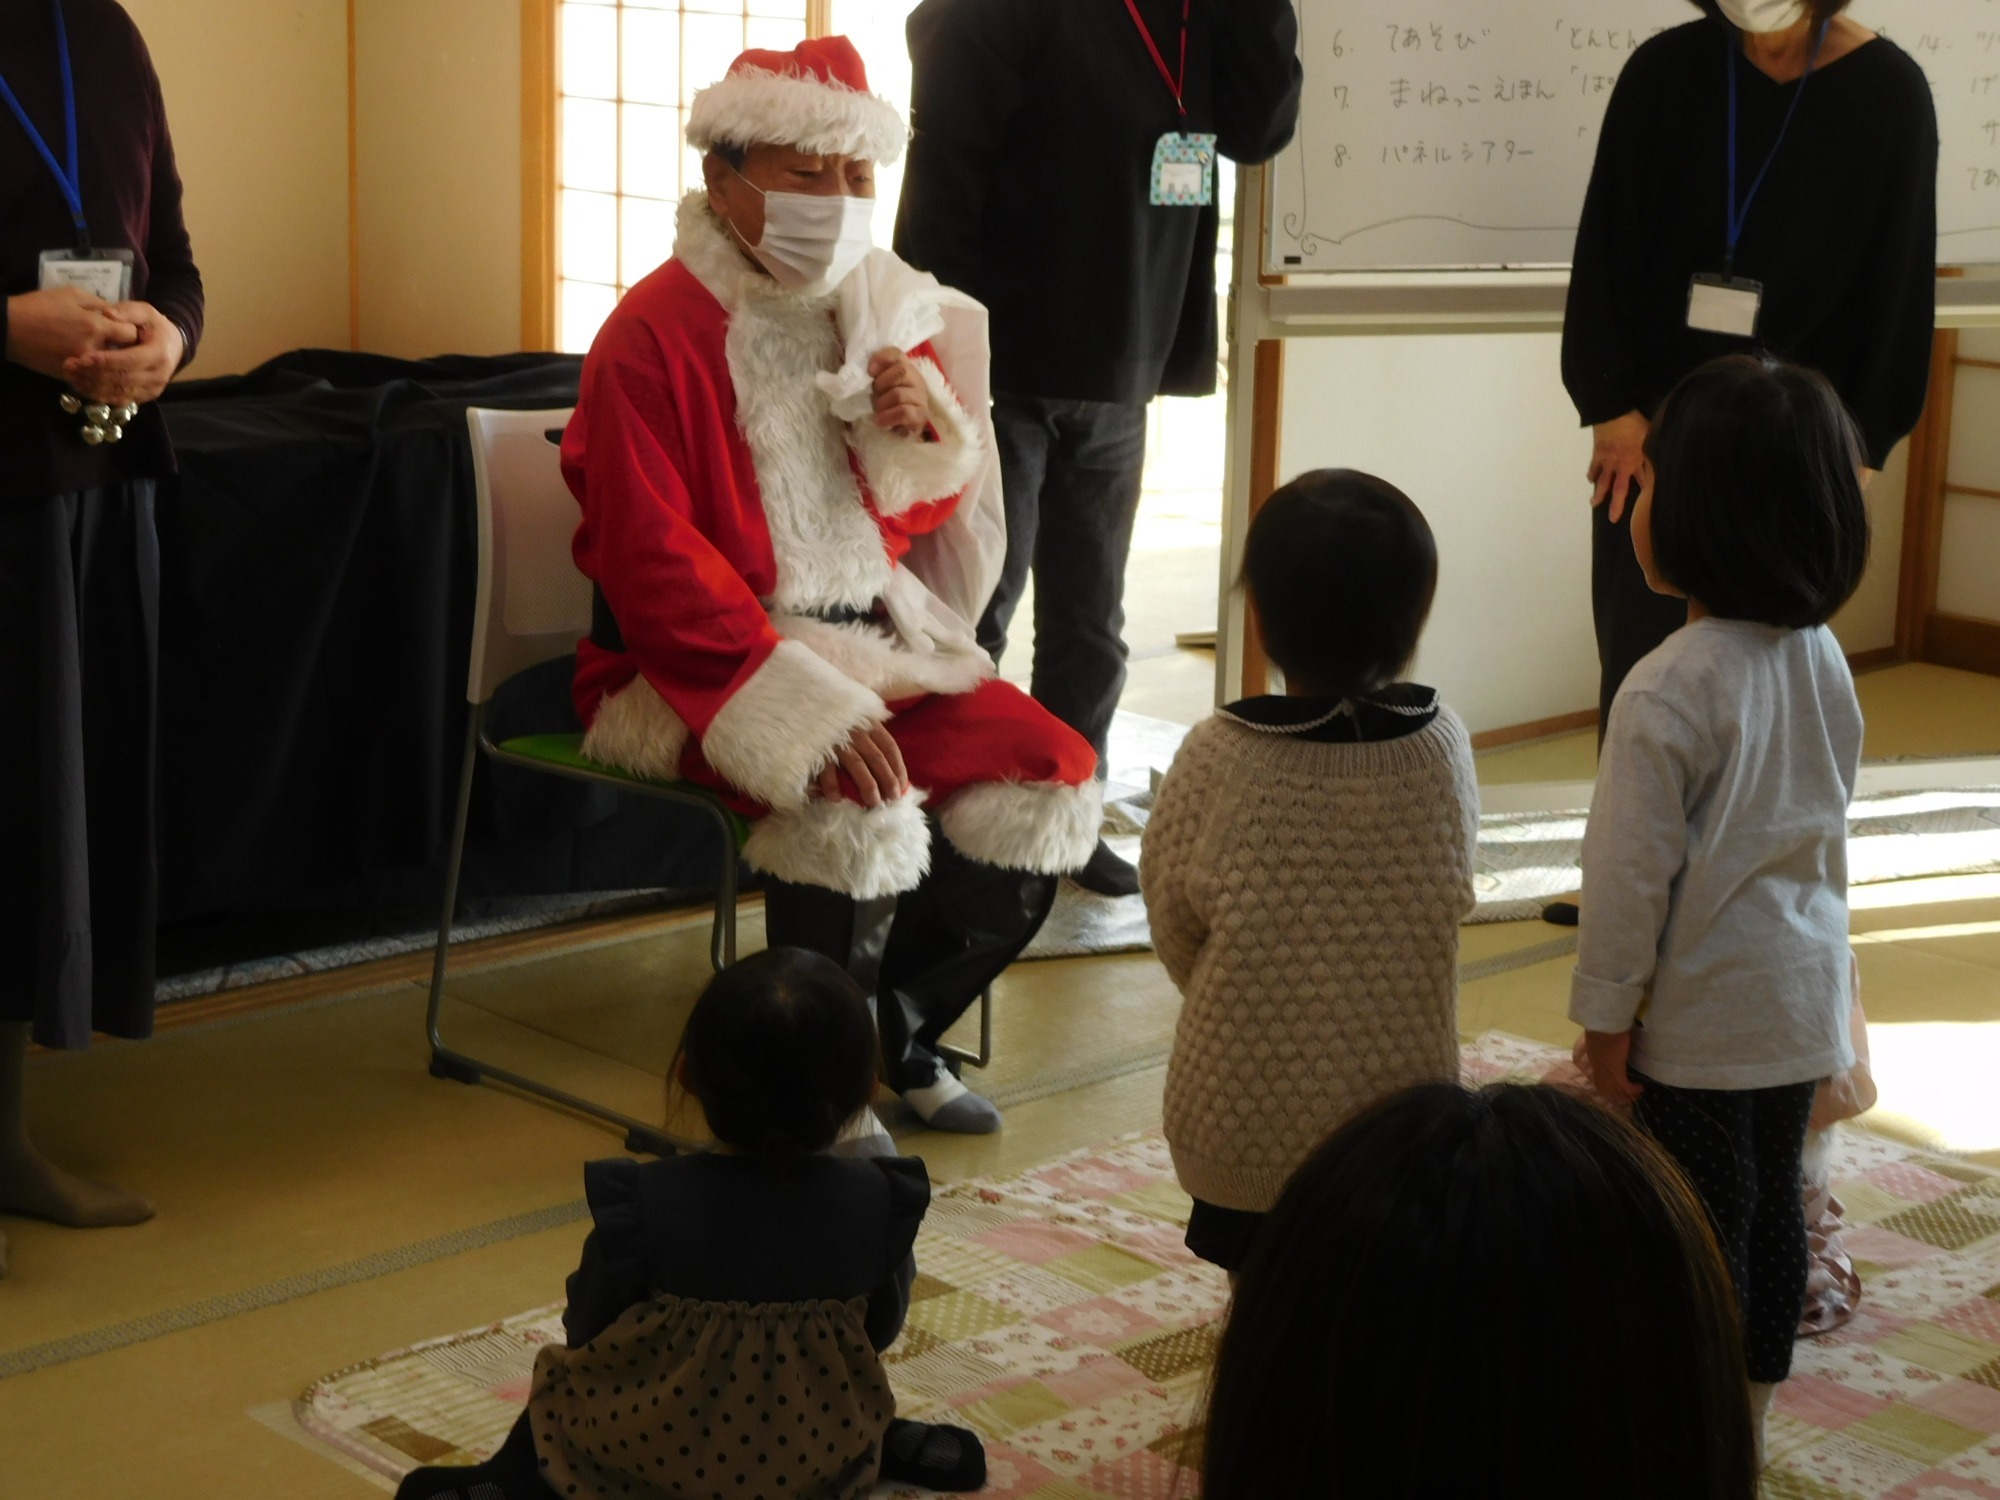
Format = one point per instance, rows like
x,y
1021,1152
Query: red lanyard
x,y
1176,86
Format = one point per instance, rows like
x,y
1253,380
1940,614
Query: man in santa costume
x,y
791,510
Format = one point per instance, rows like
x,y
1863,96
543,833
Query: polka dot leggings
x,y
1741,1150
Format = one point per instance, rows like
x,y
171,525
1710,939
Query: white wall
x,y
1869,621
256,95
1478,431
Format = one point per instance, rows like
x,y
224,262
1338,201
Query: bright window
x,y
629,69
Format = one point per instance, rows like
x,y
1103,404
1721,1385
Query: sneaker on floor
x,y
1562,913
947,1104
1107,874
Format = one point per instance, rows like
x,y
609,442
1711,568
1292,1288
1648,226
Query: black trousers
x,y
79,675
922,957
1072,472
1741,1149
1631,619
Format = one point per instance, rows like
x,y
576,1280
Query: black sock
x,y
933,1455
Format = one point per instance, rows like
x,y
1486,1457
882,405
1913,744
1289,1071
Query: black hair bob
x,y
779,1051
1341,569
1757,509
1506,1292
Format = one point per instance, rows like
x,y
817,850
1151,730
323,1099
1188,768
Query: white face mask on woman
x,y
1762,16
811,241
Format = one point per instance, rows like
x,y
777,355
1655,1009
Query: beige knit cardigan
x,y
1306,899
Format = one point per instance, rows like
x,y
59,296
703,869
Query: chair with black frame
x,y
531,606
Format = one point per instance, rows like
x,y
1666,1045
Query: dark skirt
x,y
79,670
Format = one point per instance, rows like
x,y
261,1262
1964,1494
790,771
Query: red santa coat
x,y
726,510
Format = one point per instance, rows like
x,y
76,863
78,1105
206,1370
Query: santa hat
x,y
814,97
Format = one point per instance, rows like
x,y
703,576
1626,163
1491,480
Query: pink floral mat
x,y
1058,1313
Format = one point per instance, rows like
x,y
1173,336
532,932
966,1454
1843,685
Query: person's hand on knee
x,y
873,762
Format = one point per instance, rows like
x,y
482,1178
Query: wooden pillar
x,y
540,59
1923,503
1267,390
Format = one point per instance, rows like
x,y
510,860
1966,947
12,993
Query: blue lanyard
x,y
71,181
1738,217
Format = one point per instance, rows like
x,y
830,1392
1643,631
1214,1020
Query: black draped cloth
x,y
318,553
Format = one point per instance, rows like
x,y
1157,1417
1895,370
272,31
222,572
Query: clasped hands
x,y
110,352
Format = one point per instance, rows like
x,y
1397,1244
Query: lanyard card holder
x,y
106,274
1725,304
1184,171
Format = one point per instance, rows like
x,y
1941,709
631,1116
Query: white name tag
x,y
106,274
1725,304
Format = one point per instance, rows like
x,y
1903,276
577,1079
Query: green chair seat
x,y
564,752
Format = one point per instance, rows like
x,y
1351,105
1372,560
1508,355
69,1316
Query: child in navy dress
x,y
726,1323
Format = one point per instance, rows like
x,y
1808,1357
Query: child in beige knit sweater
x,y
1310,859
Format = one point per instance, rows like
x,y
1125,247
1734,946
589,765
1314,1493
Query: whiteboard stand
x,y
1265,311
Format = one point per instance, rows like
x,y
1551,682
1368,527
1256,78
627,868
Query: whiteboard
x,y
1460,135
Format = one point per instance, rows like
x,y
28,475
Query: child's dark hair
x,y
780,1053
1341,567
1510,1275
1757,508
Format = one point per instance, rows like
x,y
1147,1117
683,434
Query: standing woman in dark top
x,y
1824,232
87,188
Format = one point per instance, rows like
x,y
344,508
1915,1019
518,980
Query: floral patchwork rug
x,y
1059,1314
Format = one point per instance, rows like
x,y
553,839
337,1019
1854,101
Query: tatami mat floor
x,y
324,1199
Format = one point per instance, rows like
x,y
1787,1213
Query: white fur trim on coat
x,y
635,731
1043,826
756,107
862,852
781,727
904,471
828,548
876,661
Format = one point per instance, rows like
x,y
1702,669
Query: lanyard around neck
x,y
1738,216
71,181
1177,86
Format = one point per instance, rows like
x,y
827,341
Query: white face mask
x,y
810,241
1762,16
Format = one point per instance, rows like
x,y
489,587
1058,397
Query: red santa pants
x,y
995,733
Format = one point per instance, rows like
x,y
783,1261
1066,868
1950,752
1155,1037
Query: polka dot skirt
x,y
715,1401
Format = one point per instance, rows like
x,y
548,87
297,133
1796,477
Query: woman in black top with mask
x,y
1818,244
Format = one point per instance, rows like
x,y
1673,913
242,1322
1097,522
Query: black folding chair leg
x,y
979,1059
722,936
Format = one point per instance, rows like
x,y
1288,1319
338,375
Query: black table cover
x,y
318,553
